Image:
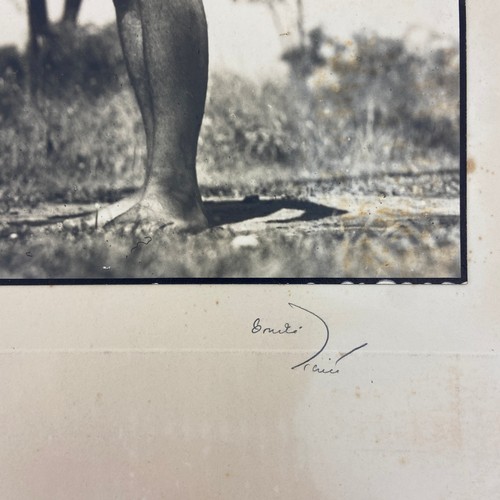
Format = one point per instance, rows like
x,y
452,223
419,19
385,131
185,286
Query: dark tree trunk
x,y
38,30
71,10
38,18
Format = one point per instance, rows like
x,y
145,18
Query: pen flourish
x,y
258,327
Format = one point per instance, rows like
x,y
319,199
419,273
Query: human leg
x,y
165,44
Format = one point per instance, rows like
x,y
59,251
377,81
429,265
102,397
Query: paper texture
x,y
153,392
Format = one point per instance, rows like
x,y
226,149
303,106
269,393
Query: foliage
x,y
380,83
369,105
245,122
391,103
83,60
11,63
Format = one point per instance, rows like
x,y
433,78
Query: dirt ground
x,y
323,230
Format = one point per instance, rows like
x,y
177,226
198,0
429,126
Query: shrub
x,y
376,83
247,124
87,60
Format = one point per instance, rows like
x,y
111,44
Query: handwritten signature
x,y
287,329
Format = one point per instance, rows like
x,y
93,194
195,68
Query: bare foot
x,y
103,215
144,215
150,215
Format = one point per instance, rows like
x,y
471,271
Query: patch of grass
x,y
70,152
426,248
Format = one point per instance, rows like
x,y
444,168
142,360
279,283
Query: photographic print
x,y
231,141
264,392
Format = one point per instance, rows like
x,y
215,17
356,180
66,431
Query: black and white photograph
x,y
224,140
309,141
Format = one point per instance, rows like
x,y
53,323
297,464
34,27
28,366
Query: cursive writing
x,y
313,363
331,370
315,368
285,330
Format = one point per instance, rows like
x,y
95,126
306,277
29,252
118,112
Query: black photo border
x,y
463,278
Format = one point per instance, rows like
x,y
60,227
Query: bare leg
x,y
130,30
170,81
176,57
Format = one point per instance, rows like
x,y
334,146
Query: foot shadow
x,y
220,213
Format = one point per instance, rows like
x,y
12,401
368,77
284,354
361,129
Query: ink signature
x,y
286,329
307,365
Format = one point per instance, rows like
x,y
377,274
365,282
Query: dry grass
x,y
409,249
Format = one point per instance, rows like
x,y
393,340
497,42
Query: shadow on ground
x,y
221,213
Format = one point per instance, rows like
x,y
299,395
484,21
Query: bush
x,y
12,76
377,84
86,60
247,124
